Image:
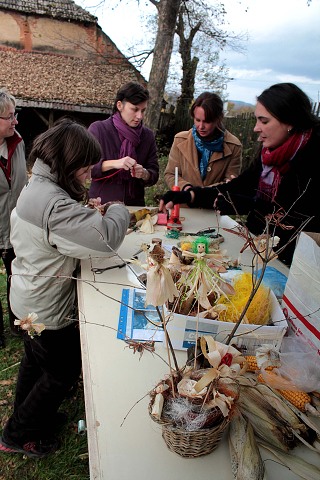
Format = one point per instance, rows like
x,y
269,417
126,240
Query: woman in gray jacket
x,y
13,177
51,230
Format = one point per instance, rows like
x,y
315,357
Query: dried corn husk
x,y
293,462
281,407
160,285
310,422
29,325
148,223
265,419
246,461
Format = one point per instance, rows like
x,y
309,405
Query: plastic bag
x,y
275,280
299,367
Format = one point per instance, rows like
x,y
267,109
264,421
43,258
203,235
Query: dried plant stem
x,y
265,259
169,346
197,333
10,366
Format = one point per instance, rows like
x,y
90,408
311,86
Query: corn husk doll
x,y
160,285
202,280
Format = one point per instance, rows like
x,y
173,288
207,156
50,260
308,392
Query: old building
x,y
56,60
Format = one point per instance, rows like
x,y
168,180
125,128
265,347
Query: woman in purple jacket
x,y
129,160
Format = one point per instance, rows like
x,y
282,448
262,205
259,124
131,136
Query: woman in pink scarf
x,y
283,181
129,160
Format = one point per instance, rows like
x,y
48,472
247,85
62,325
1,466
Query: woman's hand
x,y
127,163
172,198
108,204
230,178
138,171
95,203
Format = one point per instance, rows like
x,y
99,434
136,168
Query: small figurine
x,y
200,250
160,285
201,281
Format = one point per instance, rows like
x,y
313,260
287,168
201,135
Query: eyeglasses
x,y
11,117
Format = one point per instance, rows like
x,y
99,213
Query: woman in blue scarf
x,y
207,154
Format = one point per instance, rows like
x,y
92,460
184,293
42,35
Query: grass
x,y
71,460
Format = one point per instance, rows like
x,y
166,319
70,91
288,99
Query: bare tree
x,y
167,18
186,18
167,12
198,28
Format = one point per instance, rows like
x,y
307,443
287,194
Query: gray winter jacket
x,y
12,181
50,233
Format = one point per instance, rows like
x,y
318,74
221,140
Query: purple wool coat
x,y
118,184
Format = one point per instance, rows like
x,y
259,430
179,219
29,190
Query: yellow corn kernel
x,y
252,365
298,398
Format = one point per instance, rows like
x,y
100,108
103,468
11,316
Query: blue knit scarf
x,y
206,148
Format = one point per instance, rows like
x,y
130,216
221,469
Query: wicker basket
x,y
193,444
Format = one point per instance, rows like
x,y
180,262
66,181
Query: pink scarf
x,y
276,163
130,137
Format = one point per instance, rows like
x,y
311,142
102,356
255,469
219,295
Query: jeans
x,y
50,367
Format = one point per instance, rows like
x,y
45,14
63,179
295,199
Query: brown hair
x,y
131,92
212,106
66,147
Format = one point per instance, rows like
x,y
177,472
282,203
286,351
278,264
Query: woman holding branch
x,y
282,184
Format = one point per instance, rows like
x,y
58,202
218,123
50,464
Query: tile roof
x,y
65,9
59,79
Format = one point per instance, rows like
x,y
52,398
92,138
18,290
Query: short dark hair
x,y
289,104
66,147
211,104
132,92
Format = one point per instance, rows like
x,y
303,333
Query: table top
x,y
124,443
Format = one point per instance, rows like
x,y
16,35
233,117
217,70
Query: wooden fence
x,y
316,109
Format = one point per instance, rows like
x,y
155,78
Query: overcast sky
x,y
283,45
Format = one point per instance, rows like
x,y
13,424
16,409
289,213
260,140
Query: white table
x,y
123,445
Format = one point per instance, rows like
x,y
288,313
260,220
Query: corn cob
x,y
246,461
315,401
252,364
266,421
298,398
284,410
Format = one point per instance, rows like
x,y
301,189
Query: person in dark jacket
x,y
13,177
283,179
129,160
